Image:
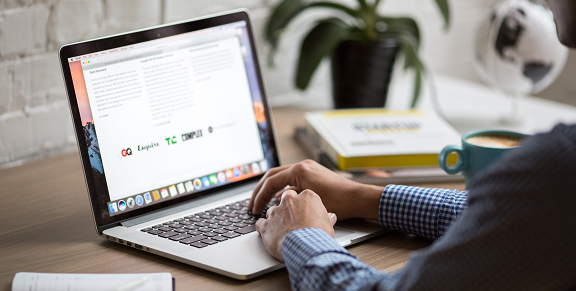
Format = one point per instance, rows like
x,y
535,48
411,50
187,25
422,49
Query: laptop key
x,y
246,229
155,232
211,221
146,229
168,234
214,225
220,230
184,222
209,241
204,229
158,225
230,227
206,216
219,238
198,245
225,210
194,232
196,219
231,214
201,223
240,224
165,228
221,217
234,220
191,226
245,216
224,223
209,234
193,239
180,236
181,230
230,234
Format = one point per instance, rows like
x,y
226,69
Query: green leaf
x,y
280,17
401,25
417,86
288,10
363,4
445,10
320,42
412,61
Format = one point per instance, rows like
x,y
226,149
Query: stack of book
x,y
379,146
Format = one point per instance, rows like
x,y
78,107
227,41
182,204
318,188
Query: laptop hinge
x,y
190,204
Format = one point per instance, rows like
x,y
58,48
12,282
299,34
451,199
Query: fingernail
x,y
333,217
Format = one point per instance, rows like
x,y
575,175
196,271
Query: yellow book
x,y
379,138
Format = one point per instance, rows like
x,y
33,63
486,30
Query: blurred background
x,y
34,115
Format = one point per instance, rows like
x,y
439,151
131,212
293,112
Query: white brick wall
x,y
34,116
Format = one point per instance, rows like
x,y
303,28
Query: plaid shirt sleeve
x,y
425,212
315,261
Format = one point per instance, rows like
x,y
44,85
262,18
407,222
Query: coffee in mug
x,y
494,141
479,149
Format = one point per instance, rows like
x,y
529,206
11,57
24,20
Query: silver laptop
x,y
174,132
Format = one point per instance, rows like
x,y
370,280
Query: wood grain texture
x,y
46,225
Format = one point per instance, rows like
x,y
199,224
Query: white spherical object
x,y
517,48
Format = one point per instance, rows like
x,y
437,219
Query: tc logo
x,y
127,152
171,140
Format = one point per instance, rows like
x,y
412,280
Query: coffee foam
x,y
494,141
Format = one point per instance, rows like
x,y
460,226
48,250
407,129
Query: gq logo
x,y
126,152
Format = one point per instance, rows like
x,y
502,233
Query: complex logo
x,y
192,135
126,152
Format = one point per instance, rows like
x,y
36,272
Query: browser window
x,y
171,116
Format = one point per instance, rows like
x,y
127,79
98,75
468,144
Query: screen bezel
x,y
130,38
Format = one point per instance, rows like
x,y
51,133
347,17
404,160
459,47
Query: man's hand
x,y
294,212
344,197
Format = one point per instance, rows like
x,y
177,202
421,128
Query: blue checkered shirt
x,y
422,211
518,230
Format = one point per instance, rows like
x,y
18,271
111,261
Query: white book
x,y
25,281
379,138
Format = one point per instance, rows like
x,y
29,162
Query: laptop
x,y
174,132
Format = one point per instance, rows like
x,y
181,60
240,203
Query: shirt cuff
x,y
301,245
425,212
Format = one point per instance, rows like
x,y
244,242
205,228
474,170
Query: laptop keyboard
x,y
210,227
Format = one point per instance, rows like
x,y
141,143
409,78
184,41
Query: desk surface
x,y
46,226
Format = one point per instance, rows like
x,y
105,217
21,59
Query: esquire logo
x,y
148,146
126,152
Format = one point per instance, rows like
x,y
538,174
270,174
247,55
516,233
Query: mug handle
x,y
461,164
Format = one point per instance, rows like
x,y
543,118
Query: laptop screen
x,y
172,117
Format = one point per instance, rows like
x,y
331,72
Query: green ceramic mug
x,y
473,158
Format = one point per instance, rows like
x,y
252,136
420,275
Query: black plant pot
x,y
361,73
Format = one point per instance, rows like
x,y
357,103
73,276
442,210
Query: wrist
x,y
365,200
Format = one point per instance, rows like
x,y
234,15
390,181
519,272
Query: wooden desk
x,y
46,226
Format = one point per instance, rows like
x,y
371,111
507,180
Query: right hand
x,y
345,198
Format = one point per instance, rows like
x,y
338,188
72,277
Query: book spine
x,y
320,143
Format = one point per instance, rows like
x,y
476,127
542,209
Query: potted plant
x,y
363,48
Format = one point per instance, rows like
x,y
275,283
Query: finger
x,y
278,194
269,211
270,172
272,185
260,225
333,218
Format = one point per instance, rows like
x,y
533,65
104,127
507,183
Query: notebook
x,y
174,132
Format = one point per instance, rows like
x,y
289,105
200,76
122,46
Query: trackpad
x,y
340,232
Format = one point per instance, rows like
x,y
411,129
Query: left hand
x,y
294,212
